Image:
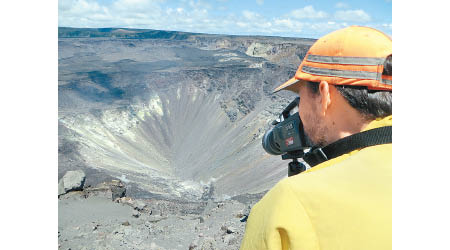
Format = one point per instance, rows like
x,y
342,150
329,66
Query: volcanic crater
x,y
172,116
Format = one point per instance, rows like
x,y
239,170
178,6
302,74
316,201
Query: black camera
x,y
287,138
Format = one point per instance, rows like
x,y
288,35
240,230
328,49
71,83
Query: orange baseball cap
x,y
351,56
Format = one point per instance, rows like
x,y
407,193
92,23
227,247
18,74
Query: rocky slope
x,y
102,217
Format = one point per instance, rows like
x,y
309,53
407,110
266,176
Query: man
x,y
345,88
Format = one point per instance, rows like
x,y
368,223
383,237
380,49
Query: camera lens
x,y
269,144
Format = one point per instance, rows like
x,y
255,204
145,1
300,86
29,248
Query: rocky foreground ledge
x,y
103,217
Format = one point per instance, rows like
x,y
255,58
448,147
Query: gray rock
x,y
139,205
193,245
135,214
71,181
126,200
208,244
229,239
127,231
118,192
114,189
156,218
230,230
209,206
61,187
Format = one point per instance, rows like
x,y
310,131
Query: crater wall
x,y
172,118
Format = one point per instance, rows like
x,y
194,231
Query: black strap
x,y
372,137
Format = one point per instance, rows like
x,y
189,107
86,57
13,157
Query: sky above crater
x,y
289,18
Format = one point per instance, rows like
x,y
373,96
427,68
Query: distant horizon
x,y
181,31
294,19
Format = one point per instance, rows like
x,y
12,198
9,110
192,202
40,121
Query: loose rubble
x,y
101,218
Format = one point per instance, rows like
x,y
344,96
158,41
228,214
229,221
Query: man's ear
x,y
325,97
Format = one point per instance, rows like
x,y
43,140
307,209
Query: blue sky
x,y
289,18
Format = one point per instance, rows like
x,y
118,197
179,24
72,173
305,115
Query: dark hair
x,y
370,103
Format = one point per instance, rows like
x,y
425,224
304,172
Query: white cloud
x,y
342,5
250,15
81,12
260,2
326,27
242,25
134,5
65,5
287,23
79,7
199,4
352,15
131,14
307,12
190,17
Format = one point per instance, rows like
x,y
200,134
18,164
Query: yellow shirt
x,y
344,203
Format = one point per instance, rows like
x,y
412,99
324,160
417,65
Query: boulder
x,y
61,187
114,189
71,181
118,192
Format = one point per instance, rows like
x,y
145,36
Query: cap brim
x,y
289,85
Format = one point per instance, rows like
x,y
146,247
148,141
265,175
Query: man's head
x,y
344,82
